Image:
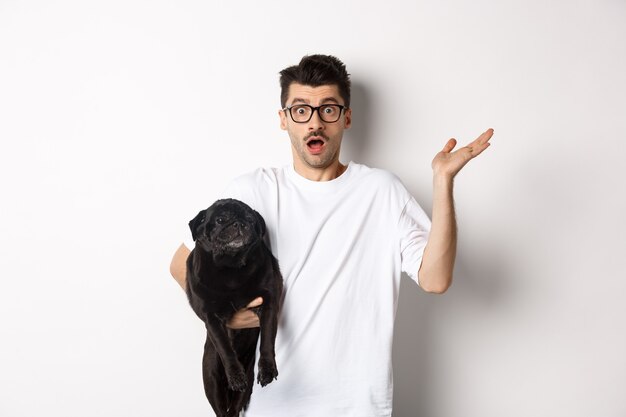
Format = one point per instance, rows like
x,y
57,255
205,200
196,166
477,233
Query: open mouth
x,y
315,146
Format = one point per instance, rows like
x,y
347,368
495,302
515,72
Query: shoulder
x,y
254,187
382,188
257,176
256,180
381,179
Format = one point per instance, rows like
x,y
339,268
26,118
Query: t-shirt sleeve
x,y
414,228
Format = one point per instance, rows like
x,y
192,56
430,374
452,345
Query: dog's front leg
x,y
235,373
267,359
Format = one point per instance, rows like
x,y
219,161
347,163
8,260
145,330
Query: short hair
x,y
314,71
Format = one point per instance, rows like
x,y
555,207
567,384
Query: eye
x,y
220,220
300,110
328,110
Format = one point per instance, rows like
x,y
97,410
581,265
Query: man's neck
x,y
329,173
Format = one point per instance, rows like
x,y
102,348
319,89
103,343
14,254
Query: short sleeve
x,y
414,228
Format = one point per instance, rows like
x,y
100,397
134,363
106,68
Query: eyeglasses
x,y
302,113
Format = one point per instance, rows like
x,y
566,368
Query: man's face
x,y
315,144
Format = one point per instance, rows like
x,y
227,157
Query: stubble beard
x,y
324,160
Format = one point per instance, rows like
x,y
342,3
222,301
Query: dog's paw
x,y
267,371
237,380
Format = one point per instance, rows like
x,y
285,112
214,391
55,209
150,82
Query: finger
x,y
481,143
478,149
248,318
244,319
449,145
255,303
484,137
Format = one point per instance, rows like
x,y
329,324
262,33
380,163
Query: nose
x,y
316,122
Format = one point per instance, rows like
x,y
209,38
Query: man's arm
x,y
178,266
435,273
243,319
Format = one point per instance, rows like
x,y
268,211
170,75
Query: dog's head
x,y
228,229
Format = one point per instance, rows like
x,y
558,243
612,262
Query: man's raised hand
x,y
447,163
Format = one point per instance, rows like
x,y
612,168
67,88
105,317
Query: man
x,y
342,235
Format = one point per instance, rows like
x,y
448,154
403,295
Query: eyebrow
x,y
324,101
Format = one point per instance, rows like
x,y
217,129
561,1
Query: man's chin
x,y
318,161
319,164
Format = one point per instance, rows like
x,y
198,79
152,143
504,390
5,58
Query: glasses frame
x,y
313,110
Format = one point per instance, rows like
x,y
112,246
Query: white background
x,y
119,120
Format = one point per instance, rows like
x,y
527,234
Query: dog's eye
x,y
219,220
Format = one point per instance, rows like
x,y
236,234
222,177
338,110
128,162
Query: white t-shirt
x,y
341,246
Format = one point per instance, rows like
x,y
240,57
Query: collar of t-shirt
x,y
320,186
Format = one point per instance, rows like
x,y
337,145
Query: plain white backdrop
x,y
119,120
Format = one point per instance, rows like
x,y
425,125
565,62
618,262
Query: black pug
x,y
229,267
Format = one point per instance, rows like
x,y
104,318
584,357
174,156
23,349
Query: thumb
x,y
449,145
255,303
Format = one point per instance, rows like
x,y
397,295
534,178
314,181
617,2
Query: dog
x,y
229,267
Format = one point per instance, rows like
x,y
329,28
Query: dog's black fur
x,y
230,266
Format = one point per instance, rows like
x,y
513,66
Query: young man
x,y
342,235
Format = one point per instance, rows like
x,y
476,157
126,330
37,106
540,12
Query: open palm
x,y
449,163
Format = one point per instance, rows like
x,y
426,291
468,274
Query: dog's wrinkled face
x,y
227,229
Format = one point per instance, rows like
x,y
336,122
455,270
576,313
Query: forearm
x,y
178,266
437,267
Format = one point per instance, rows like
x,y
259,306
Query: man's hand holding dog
x,y
246,318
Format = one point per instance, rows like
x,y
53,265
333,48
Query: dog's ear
x,y
261,228
196,222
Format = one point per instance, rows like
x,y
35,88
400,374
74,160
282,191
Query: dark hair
x,y
314,71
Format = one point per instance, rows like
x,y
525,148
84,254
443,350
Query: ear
x,y
347,118
262,229
283,119
196,222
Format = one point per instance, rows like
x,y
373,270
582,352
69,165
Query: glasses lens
x,y
330,112
301,113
